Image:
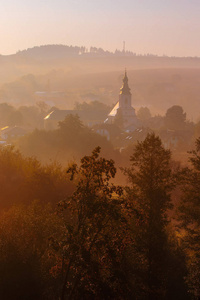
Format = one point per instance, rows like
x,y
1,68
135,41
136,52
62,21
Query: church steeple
x,y
125,90
123,109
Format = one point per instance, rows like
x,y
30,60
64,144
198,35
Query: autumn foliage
x,y
74,234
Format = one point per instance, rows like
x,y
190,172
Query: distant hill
x,y
88,74
51,52
59,52
79,60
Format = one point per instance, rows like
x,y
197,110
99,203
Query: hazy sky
x,y
170,27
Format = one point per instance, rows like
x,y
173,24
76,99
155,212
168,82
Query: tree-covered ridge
x,y
55,50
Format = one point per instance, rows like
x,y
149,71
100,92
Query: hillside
x,y
75,59
156,82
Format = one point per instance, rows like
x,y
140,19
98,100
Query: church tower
x,y
123,110
125,107
125,94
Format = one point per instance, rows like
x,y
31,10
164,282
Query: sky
x,y
162,27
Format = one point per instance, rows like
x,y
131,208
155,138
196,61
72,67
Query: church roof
x,y
125,90
114,110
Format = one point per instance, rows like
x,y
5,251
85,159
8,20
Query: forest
x,y
72,232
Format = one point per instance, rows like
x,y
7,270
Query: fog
x,y
99,168
156,82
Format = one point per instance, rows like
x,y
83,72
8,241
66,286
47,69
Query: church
x,y
123,114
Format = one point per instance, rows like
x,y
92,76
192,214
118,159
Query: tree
x,y
92,106
152,181
15,118
25,257
31,116
24,179
144,113
189,215
96,236
71,139
175,118
72,125
5,111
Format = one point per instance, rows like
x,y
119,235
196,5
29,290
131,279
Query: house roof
x,y
58,115
16,130
52,94
84,115
4,129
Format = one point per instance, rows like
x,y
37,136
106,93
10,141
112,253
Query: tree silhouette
x,y
189,215
151,182
95,233
144,113
175,118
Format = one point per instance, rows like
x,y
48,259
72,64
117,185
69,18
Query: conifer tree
x,y
151,180
189,215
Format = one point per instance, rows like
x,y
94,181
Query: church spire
x,y
125,90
